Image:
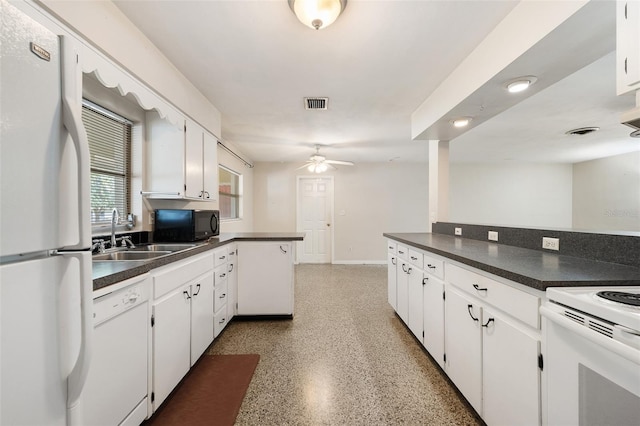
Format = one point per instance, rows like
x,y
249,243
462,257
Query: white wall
x,y
606,193
375,197
526,195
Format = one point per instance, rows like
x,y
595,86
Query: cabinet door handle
x,y
221,257
424,280
400,251
393,261
625,65
414,258
198,290
186,293
223,295
231,267
283,250
221,321
469,307
430,266
409,271
403,268
207,194
489,321
477,287
222,275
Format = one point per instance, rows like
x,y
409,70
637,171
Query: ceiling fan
x,y
318,163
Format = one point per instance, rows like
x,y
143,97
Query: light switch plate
x,y
493,236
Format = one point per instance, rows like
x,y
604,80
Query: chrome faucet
x,y
115,219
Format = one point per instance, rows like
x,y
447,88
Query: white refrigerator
x,y
45,234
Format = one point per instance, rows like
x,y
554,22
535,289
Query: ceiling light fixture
x,y
317,13
461,122
520,84
317,168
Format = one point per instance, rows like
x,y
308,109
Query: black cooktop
x,y
632,299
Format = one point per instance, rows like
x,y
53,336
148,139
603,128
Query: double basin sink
x,y
140,253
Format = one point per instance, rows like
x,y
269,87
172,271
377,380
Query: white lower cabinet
x,y
182,321
392,287
232,281
483,332
402,289
221,317
265,278
171,343
510,372
415,303
201,315
433,314
463,346
492,346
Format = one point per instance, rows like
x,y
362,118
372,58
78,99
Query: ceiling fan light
x,y
311,168
320,168
317,13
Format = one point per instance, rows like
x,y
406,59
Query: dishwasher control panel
x,y
112,304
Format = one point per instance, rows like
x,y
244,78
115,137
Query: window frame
x,y
233,196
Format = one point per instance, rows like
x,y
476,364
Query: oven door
x,y
591,379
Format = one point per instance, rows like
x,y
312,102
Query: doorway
x,y
315,218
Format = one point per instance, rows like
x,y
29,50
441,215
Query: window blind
x,y
109,144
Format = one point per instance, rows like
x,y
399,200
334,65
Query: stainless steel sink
x,y
131,255
156,247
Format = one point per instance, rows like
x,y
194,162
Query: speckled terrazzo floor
x,y
345,359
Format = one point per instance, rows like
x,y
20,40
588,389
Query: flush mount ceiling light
x,y
520,84
461,122
317,13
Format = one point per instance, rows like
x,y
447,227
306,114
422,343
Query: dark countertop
x,y
106,273
533,268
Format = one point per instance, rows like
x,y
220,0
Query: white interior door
x,y
315,201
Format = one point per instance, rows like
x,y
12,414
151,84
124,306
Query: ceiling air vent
x,y
316,103
582,131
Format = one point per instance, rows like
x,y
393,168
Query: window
x,y
230,193
109,144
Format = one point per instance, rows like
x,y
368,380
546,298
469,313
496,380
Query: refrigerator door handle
x,y
73,123
78,375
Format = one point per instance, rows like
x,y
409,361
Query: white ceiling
x,y
377,63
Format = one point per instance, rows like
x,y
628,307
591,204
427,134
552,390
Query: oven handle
x,y
614,346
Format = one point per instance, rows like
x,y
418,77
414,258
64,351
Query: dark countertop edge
x,y
212,244
510,275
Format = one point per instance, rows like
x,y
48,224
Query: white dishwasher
x,y
116,391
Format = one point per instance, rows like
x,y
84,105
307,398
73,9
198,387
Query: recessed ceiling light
x,y
520,84
461,122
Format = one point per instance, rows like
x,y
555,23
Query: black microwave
x,y
171,225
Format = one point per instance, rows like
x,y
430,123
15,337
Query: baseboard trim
x,y
359,262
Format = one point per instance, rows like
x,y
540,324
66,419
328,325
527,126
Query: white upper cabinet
x,y
628,45
182,161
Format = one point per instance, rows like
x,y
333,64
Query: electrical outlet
x,y
493,236
151,218
458,231
551,243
